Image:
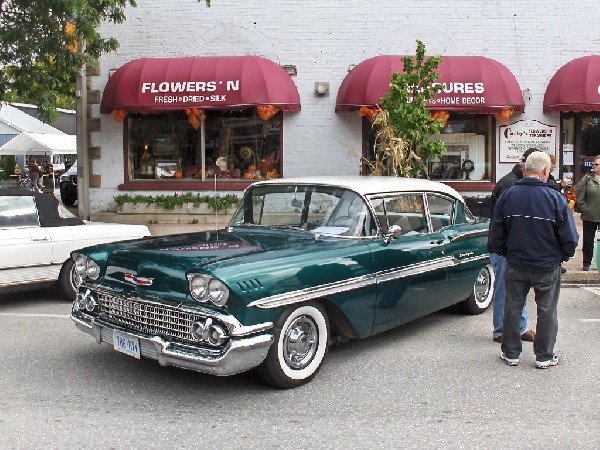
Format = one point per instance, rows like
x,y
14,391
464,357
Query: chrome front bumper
x,y
246,349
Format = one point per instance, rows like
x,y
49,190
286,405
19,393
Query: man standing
x,y
499,262
533,228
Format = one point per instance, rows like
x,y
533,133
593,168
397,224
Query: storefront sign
x,y
187,92
455,94
519,136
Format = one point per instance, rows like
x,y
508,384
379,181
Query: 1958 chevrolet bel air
x,y
303,263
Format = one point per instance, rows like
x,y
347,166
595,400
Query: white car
x,y
37,236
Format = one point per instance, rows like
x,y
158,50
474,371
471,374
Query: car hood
x,y
158,265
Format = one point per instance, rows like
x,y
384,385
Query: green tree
x,y
7,168
404,126
39,51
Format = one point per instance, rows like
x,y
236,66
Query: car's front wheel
x,y
482,294
301,333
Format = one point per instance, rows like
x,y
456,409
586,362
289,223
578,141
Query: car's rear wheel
x,y
300,341
482,294
66,280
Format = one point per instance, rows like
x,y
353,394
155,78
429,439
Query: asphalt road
x,y
435,383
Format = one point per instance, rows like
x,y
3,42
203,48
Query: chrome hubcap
x,y
300,342
482,286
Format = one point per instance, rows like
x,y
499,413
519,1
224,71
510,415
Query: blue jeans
x,y
546,286
499,265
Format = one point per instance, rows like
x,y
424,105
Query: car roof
x,y
369,185
47,206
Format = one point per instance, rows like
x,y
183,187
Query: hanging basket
x,y
504,116
443,116
118,115
265,112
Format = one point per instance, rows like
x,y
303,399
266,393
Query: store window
x,y
468,141
237,145
579,143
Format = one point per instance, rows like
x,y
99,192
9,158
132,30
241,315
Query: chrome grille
x,y
149,318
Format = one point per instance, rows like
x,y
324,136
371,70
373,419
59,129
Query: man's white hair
x,y
537,162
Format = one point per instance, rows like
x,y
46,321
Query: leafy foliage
x,y
216,202
7,167
405,125
40,54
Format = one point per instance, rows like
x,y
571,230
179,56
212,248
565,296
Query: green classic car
x,y
303,263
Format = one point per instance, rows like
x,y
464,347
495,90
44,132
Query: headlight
x,y
86,267
80,264
205,288
217,292
92,269
197,287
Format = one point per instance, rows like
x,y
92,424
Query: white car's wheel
x,y
66,280
483,292
301,334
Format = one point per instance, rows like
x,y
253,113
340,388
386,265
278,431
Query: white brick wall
x,y
533,38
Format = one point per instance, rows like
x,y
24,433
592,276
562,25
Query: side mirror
x,y
394,232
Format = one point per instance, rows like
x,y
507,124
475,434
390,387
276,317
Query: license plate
x,y
125,343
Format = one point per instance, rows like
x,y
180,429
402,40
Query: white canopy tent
x,y
52,147
40,144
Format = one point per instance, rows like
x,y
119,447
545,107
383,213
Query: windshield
x,y
318,209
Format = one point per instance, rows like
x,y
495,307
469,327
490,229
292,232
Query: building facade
x,y
211,99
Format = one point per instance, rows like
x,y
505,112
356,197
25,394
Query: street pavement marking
x,y
60,316
592,289
590,320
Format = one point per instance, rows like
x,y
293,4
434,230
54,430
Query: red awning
x,y
472,84
575,86
151,85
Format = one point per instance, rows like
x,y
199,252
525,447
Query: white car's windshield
x,y
319,209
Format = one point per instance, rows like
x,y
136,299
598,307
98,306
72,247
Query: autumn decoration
x,y
443,116
118,115
585,122
70,30
265,112
195,117
367,112
504,116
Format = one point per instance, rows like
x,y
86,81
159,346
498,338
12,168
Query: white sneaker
x,y
509,361
548,363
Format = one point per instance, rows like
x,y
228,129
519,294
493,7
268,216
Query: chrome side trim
x,y
469,234
415,269
302,295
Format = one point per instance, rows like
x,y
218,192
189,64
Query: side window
x,y
17,211
441,210
405,210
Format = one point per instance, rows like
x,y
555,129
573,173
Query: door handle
x,y
39,239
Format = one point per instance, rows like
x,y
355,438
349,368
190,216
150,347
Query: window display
x,y
204,145
468,140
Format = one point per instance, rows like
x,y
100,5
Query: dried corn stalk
x,y
393,156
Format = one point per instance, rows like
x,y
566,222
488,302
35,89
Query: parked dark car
x,y
303,263
68,186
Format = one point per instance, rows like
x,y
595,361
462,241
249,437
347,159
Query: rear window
x,y
16,211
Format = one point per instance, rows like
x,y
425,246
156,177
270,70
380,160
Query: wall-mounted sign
x,y
523,134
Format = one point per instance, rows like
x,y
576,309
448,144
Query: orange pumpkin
x,y
179,174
